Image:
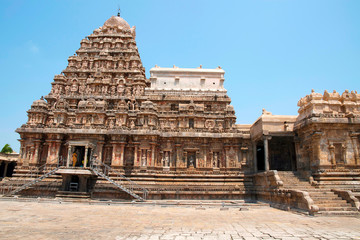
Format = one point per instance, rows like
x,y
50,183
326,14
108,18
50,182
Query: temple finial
x,y
119,11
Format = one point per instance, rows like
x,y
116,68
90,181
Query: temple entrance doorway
x,y
78,156
260,156
282,153
74,183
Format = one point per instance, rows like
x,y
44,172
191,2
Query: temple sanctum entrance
x,y
276,153
79,154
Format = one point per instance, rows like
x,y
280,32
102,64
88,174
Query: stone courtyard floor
x,y
52,220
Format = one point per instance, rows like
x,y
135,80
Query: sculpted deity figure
x,y
143,159
128,91
104,89
167,162
74,87
88,90
120,89
113,90
132,124
137,91
109,64
215,160
82,88
111,124
191,161
84,64
67,90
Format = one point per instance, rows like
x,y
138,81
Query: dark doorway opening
x,y
78,156
74,183
191,123
260,156
7,171
282,154
191,159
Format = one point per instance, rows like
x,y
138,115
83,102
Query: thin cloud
x,y
32,47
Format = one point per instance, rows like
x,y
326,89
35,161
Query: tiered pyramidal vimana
x,y
106,131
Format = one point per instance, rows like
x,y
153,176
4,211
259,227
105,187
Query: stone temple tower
x,y
105,74
103,104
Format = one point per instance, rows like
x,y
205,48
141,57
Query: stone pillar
x,y
50,151
226,152
244,153
153,154
332,155
316,149
204,150
344,153
116,157
86,155
354,139
22,151
266,151
135,155
113,155
197,158
100,146
177,156
35,158
148,158
5,168
68,156
255,156
122,152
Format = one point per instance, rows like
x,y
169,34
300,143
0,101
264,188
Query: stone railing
x,y
348,196
269,187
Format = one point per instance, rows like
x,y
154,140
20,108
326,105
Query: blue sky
x,y
273,52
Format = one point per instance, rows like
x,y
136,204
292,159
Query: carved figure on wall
x,y
104,89
88,90
111,124
74,87
82,88
120,89
215,160
191,161
67,90
128,91
113,90
143,159
132,124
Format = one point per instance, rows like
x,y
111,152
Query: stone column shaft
x,y
266,155
86,156
68,156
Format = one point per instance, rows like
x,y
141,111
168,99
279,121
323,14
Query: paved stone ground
x,y
51,220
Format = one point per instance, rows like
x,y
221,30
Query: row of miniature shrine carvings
x,y
102,64
75,88
231,157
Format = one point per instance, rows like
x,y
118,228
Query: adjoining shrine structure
x,y
175,133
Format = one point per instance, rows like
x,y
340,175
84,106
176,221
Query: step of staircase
x,y
328,202
68,194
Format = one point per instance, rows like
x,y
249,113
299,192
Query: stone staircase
x,y
328,202
31,182
194,186
73,195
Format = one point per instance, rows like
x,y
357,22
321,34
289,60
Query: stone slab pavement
x,y
52,220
